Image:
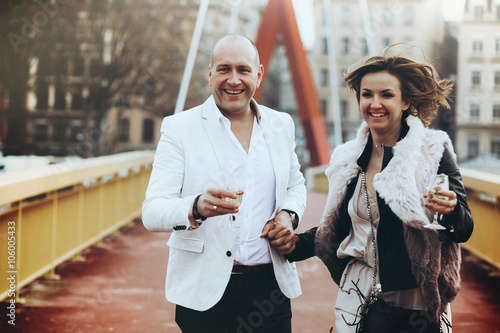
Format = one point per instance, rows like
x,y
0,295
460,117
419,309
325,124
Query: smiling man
x,y
223,274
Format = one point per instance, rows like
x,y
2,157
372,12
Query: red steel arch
x,y
279,17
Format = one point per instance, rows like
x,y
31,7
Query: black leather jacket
x,y
394,262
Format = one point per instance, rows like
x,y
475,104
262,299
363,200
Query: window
x,y
60,102
478,13
74,135
123,129
495,146
80,29
41,130
147,130
474,111
408,16
14,131
78,65
473,146
497,46
76,130
498,13
324,46
59,132
76,102
324,78
324,105
344,108
60,66
476,78
96,67
344,47
387,16
477,47
497,80
496,111
42,94
346,16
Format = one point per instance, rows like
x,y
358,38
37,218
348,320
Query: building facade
x,y
478,96
417,22
102,74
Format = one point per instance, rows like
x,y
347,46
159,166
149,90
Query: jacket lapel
x,y
215,134
275,147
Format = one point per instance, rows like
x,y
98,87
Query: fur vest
x,y
435,261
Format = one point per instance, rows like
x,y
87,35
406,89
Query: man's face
x,y
234,75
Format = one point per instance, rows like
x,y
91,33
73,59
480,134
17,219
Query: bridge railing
x,y
483,197
50,215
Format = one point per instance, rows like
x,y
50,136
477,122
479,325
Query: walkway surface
x,y
120,288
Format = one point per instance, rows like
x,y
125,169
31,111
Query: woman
x,y
372,236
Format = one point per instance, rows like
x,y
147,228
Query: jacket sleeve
x,y
164,208
296,192
459,223
304,248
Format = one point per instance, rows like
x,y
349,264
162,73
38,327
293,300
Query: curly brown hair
x,y
420,83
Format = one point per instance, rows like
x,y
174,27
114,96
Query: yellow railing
x,y
50,215
483,197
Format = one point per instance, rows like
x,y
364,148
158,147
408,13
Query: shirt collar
x,y
253,105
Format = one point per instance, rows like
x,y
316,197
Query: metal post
x,y
235,8
193,49
334,88
367,24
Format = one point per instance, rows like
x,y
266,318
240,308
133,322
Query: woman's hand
x,y
442,206
279,231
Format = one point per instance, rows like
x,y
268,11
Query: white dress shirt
x,y
254,174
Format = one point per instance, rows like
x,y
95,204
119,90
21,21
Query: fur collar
x,y
403,181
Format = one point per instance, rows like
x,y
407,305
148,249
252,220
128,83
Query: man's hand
x,y
279,231
211,203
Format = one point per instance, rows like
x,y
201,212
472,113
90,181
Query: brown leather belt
x,y
241,269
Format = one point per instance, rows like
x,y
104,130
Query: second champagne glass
x,y
440,184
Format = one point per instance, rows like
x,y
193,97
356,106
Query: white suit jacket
x,y
189,159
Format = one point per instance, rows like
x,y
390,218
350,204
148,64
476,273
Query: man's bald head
x,y
231,39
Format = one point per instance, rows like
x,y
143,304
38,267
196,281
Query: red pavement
x,y
120,288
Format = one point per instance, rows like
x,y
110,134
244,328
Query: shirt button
x,y
228,253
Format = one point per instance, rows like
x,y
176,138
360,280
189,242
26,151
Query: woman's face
x,y
381,103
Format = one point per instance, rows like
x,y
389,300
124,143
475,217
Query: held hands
x,y
211,203
442,206
279,231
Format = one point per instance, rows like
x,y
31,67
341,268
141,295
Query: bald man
x,y
223,274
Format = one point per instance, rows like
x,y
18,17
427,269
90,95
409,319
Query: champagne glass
x,y
239,193
440,184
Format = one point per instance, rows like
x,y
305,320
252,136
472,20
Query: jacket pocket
x,y
186,244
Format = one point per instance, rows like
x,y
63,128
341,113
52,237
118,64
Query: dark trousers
x,y
252,303
401,321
